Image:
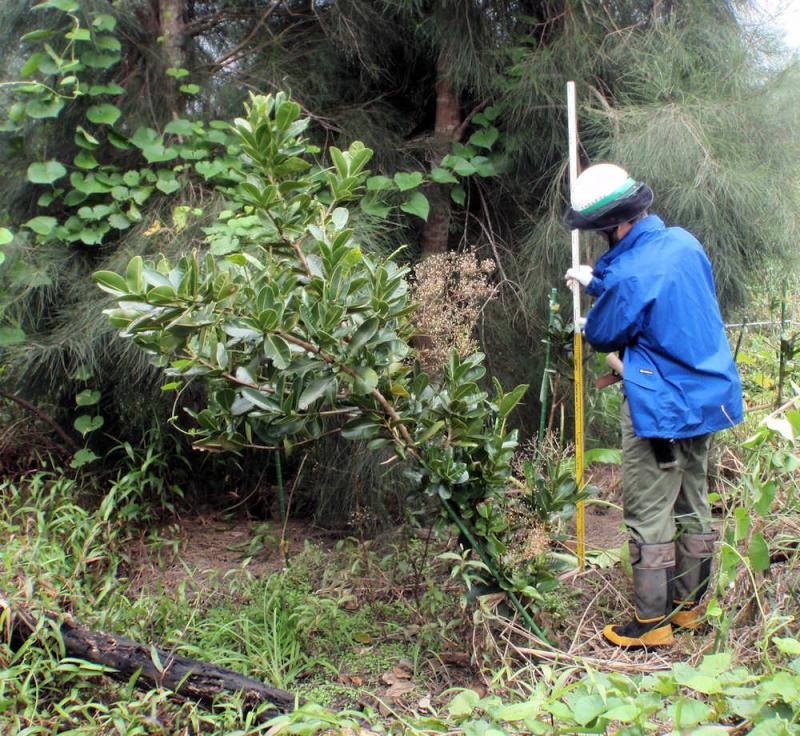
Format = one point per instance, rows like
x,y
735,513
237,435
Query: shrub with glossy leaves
x,y
300,332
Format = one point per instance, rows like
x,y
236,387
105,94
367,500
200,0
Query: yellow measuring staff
x,y
572,130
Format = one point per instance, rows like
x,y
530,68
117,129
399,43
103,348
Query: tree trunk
x,y
157,668
446,127
172,29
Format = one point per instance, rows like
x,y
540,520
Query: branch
x,y
219,63
296,245
25,404
123,658
458,133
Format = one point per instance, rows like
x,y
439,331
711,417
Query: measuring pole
x,y
572,130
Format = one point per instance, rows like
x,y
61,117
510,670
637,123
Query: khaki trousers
x,y
660,505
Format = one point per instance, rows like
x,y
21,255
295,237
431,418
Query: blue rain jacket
x,y
656,299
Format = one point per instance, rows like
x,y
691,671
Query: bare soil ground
x,y
212,549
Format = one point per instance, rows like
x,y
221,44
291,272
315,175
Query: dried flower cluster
x,y
450,290
527,539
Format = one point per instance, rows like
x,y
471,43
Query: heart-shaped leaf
x,y
46,172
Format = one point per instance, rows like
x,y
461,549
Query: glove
x,y
582,274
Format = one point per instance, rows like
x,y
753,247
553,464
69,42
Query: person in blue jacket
x,y
657,306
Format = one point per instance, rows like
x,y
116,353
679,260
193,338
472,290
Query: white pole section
x,y
572,129
577,353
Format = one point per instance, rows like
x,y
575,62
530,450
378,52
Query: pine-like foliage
x,y
689,96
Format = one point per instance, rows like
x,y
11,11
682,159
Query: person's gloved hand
x,y
582,274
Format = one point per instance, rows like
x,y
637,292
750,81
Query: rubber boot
x,y
653,570
694,554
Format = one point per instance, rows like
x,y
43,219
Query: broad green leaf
x,y
87,397
512,712
363,335
277,350
417,204
460,165
31,65
66,6
687,712
374,207
742,529
134,276
46,172
167,182
180,126
624,712
407,180
86,424
361,428
378,183
177,73
84,139
42,225
260,399
315,390
119,221
696,680
96,90
485,138
365,379
222,356
586,708
78,34
463,704
758,552
97,60
782,426
40,34
458,195
605,455
85,160
49,107
443,176
145,138
11,336
510,400
111,282
108,43
82,457
189,89
104,22
240,331
430,431
6,236
339,217
104,114
787,645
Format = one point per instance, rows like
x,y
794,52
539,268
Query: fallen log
x,y
187,677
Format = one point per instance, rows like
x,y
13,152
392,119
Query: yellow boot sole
x,y
687,619
658,637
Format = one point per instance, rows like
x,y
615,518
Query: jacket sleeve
x,y
618,315
595,287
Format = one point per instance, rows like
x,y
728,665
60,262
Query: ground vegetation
x,y
333,292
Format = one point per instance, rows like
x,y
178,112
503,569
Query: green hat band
x,y
627,187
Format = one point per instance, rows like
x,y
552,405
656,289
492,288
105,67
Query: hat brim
x,y
623,211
